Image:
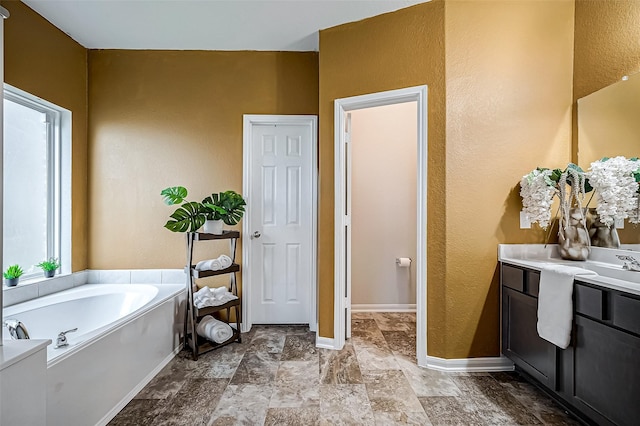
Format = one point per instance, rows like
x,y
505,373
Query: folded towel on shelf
x,y
213,329
222,262
555,302
212,297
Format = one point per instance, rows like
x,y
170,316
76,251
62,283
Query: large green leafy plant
x,y
227,206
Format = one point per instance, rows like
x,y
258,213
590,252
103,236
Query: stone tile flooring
x,y
277,376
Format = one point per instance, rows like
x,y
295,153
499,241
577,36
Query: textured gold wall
x,y
165,118
504,109
509,77
42,60
391,51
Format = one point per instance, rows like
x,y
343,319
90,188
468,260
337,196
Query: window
x,y
32,181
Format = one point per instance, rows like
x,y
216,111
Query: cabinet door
x,y
520,340
606,372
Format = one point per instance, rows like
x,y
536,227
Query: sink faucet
x,y
61,342
630,263
17,330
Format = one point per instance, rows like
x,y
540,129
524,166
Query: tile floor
x,y
277,376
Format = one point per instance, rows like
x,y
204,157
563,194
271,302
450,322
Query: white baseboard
x,y
478,365
144,382
398,307
325,342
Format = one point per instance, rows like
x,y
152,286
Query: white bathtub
x,y
126,334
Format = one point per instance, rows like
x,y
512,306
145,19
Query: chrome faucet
x,y
17,330
61,342
630,263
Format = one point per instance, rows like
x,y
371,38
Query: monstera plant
x,y
189,216
227,206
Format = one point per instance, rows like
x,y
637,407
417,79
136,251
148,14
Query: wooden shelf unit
x,y
199,344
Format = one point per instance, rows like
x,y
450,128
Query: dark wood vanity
x,y
598,376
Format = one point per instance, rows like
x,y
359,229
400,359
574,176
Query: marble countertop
x,y
536,256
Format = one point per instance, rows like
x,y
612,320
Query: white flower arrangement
x,y
616,183
537,191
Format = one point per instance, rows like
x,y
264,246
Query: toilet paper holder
x,y
403,262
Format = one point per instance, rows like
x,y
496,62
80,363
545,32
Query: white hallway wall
x,y
383,222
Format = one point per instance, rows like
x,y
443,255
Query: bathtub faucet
x,y
61,342
16,329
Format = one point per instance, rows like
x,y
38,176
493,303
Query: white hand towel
x,y
225,261
219,292
555,302
213,329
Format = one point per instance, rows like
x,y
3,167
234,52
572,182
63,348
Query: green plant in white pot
x,y
12,275
49,267
225,207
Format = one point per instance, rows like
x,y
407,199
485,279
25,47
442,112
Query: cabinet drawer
x,y
589,301
513,277
626,313
533,283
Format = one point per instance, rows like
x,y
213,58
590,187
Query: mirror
x,y
609,125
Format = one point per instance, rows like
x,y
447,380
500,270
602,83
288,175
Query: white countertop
x,y
13,351
536,256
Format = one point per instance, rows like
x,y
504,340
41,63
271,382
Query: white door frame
x,y
247,135
342,106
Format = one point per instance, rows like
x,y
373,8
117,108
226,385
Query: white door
x,y
279,276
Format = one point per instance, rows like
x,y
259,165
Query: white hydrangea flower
x,y
616,188
537,191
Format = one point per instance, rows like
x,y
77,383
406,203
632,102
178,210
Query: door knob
x,y
256,235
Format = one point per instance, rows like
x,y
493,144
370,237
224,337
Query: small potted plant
x,y
49,267
12,275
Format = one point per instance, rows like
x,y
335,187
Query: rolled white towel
x,y
202,265
203,292
225,261
213,329
214,265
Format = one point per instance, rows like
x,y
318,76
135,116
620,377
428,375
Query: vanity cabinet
x,y
598,375
520,340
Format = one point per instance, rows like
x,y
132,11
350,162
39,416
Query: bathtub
x,y
126,334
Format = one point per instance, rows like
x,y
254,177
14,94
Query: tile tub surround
x,y
39,287
276,376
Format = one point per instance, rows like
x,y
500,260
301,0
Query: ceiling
x,y
206,24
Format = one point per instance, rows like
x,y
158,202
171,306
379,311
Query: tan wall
x,y
391,51
42,60
383,203
509,76
606,48
166,118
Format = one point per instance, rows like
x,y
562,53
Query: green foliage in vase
x,y
13,271
49,265
227,206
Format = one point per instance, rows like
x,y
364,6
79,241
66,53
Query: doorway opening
x,y
399,278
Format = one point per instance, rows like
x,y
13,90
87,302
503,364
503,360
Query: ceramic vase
x,y
12,282
600,234
573,237
50,274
